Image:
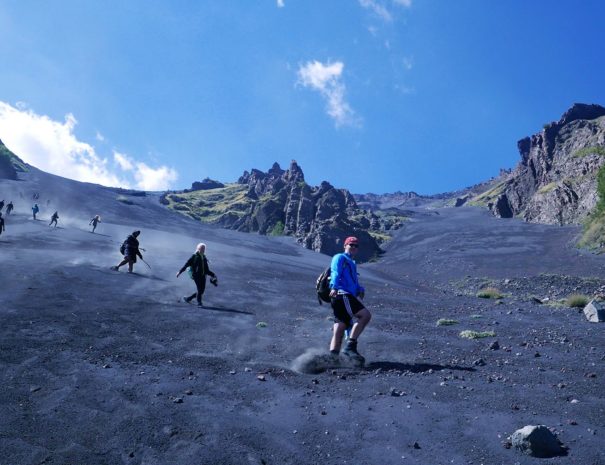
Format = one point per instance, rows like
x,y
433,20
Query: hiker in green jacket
x,y
198,269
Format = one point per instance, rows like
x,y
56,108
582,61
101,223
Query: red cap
x,y
351,240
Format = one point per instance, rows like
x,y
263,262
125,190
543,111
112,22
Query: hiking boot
x,y
200,304
185,300
334,358
114,268
350,351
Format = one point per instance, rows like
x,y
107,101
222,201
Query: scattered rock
x,y
416,445
479,362
177,400
494,346
34,388
261,378
595,311
537,441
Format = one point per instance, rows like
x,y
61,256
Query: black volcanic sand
x,y
101,367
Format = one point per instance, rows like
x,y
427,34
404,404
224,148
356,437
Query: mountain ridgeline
x,y
10,164
280,202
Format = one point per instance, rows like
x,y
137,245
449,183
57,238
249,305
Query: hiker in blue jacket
x,y
198,270
346,299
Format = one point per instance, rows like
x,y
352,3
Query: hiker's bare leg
x,y
363,318
337,333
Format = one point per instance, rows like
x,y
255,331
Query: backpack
x,y
123,248
322,286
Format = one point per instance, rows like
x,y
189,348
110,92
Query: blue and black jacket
x,y
343,275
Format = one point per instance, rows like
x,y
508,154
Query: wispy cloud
x,y
408,63
280,3
378,8
52,146
100,137
327,80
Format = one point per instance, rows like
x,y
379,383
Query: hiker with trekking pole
x,y
130,250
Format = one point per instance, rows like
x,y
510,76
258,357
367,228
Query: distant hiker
x,y
96,220
53,219
346,296
1,224
198,269
35,210
130,250
9,207
1,205
48,202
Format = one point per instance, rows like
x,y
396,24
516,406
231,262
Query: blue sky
x,y
372,95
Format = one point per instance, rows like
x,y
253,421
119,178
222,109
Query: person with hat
x,y
346,297
130,250
94,222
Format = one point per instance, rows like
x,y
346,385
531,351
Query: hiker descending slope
x,y
198,269
94,222
346,295
1,224
9,207
53,219
35,210
130,250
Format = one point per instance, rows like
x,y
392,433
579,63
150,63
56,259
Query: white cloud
x,y
52,146
147,178
326,79
280,3
378,9
408,63
405,3
154,179
100,137
123,161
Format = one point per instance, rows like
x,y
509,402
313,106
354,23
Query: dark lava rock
x,y
537,441
494,346
206,184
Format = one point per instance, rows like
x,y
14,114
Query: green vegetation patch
x,y
470,334
489,293
209,206
593,236
278,229
13,159
596,150
261,324
551,186
577,301
488,196
446,322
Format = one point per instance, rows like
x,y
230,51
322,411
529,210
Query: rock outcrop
x,y
555,182
206,184
319,217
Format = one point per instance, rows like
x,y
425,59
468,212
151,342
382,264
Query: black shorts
x,y
345,307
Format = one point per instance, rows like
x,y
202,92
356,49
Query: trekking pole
x,y
146,263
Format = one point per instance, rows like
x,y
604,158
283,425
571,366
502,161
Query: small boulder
x,y
537,441
595,311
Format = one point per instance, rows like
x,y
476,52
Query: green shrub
x,y
278,229
596,150
446,322
577,300
489,293
470,334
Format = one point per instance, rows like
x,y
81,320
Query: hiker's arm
x,y
208,272
335,270
185,266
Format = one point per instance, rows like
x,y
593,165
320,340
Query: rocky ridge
x,y
281,202
556,180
